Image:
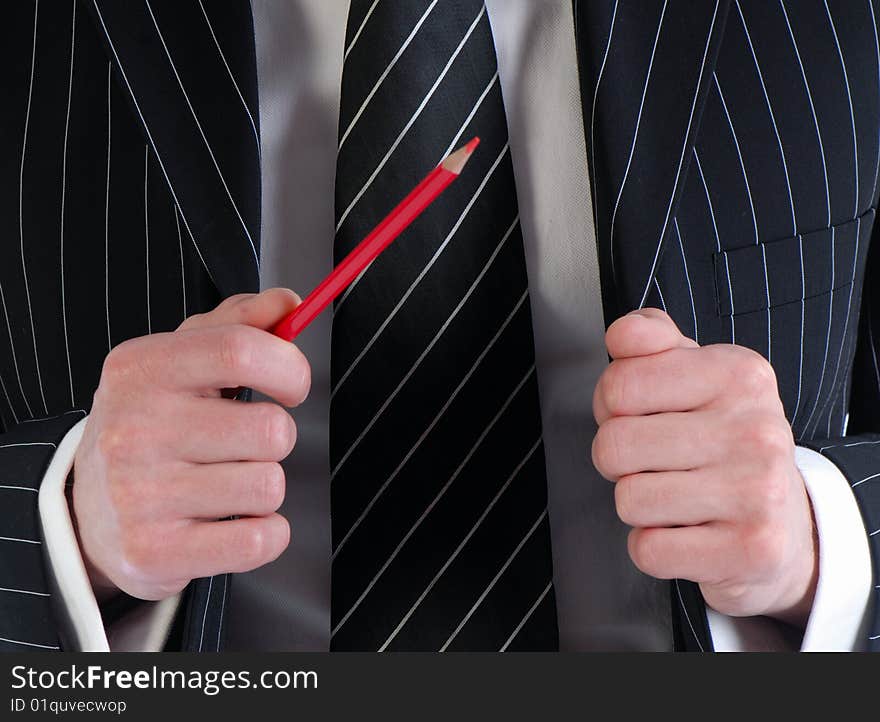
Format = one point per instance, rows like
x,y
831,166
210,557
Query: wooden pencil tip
x,y
456,161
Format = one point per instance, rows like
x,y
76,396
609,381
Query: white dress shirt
x,y
603,602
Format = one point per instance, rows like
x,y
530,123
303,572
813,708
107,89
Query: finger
x,y
204,549
662,442
704,554
680,379
676,498
210,431
644,332
260,310
215,491
206,359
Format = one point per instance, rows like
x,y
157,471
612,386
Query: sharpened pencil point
x,y
456,161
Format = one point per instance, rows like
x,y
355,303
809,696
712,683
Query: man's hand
x,y
703,459
166,453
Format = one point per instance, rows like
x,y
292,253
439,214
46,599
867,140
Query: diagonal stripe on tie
x,y
438,498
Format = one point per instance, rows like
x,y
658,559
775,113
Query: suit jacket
x,y
733,150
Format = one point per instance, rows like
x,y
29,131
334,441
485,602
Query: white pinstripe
x,y
222,609
49,418
877,51
827,338
205,615
232,78
150,137
107,215
632,149
27,291
874,533
413,118
660,293
717,242
730,293
435,501
852,115
742,165
388,69
867,478
28,644
18,488
204,137
423,272
427,350
147,232
494,581
462,544
797,404
846,446
15,363
680,158
428,429
843,335
687,616
24,591
526,617
22,541
182,268
63,199
687,276
29,443
595,100
8,400
470,117
360,29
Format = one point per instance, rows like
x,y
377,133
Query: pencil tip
x,y
456,161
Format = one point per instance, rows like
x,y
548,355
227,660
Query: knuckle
x,y
278,430
116,365
772,490
765,547
236,350
270,487
615,386
754,373
114,443
253,544
606,448
642,551
305,382
138,560
770,438
625,500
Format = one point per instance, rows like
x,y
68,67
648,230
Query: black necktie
x,y
439,496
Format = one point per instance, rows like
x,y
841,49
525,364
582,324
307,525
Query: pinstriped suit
x,y
734,154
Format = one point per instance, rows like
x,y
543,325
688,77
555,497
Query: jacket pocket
x,y
774,273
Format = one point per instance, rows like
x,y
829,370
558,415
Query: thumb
x,y
644,332
260,310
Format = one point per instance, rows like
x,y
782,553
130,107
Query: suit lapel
x,y
192,81
645,70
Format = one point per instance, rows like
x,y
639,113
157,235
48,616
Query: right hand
x,y
165,456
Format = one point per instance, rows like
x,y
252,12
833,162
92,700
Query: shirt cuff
x,y
838,620
144,629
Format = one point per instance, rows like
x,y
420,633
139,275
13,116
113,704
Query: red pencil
x,y
377,241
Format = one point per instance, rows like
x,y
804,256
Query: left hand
x,y
702,454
